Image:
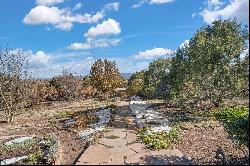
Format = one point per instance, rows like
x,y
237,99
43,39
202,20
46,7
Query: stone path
x,y
120,146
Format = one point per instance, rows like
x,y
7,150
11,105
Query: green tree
x,y
105,76
153,76
206,64
135,84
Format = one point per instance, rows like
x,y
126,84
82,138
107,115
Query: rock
x,y
95,154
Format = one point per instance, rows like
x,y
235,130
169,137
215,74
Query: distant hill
x,y
126,75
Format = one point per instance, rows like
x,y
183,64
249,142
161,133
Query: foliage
x,y
24,144
160,140
33,159
62,114
236,121
153,76
66,87
205,69
135,84
105,76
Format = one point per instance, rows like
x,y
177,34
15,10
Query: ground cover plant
x,y
236,121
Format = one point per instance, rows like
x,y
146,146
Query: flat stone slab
x,y
95,154
125,149
121,133
120,153
131,137
135,158
138,148
112,142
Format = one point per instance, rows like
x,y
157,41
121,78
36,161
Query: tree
x,y
135,84
153,76
207,63
67,87
14,82
105,76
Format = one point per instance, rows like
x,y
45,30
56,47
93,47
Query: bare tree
x,y
13,82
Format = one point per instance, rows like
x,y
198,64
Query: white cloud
x,y
158,2
60,18
235,8
80,46
40,57
112,6
46,65
95,43
63,19
129,64
48,2
151,2
77,6
108,27
153,53
186,42
44,15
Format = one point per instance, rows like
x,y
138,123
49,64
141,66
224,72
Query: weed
x,y
33,159
24,144
160,140
61,115
112,137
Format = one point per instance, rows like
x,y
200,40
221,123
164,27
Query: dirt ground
x,y
42,120
203,137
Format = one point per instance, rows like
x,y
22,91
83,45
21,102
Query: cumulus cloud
x,y
153,53
97,37
108,27
40,57
48,2
215,9
95,43
60,18
151,2
63,19
46,65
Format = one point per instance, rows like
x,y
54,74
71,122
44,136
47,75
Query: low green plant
x,y
33,159
236,122
159,140
21,145
61,115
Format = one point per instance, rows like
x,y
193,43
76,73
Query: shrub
x,y
160,140
236,121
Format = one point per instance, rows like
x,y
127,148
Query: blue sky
x,y
72,34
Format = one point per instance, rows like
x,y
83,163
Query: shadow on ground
x,y
164,160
